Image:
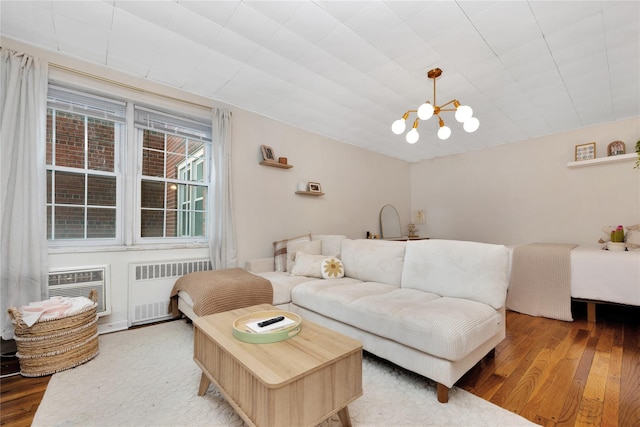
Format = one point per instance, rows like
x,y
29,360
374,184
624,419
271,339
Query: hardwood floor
x,y
551,372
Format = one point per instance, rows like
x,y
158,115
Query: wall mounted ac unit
x,y
78,282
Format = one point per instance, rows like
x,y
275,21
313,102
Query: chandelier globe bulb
x,y
471,125
398,126
444,132
425,111
412,136
463,113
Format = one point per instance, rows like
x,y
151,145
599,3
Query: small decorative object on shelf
x,y
617,240
637,166
615,148
282,160
412,230
585,151
314,187
267,153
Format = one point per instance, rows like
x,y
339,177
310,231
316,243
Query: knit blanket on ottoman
x,y
216,291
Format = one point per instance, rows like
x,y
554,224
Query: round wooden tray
x,y
239,330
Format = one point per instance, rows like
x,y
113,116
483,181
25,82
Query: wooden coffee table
x,y
297,382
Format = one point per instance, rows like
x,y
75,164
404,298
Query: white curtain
x,y
222,237
23,215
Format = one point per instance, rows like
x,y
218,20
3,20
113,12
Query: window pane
x,y
153,140
152,194
175,164
173,194
69,188
172,221
101,223
152,223
196,148
101,190
69,223
69,147
49,188
49,136
101,134
49,228
153,163
176,144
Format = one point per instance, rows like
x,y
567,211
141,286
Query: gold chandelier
x,y
464,115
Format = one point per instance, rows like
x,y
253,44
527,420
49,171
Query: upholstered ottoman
x,y
209,292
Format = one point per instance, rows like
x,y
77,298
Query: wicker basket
x,y
54,345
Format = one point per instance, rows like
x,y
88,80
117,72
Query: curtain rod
x,y
124,85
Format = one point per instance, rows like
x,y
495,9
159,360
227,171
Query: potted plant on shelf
x,y
637,166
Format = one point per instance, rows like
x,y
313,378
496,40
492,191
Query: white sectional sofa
x,y
435,307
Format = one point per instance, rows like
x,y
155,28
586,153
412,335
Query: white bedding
x,y
608,276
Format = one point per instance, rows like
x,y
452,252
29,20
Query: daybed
x,y
589,274
435,307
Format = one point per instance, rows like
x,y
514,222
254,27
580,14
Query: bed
x,y
599,276
593,276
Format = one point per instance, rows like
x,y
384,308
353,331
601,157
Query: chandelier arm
x,y
453,101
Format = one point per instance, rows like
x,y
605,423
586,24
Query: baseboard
x,y
105,328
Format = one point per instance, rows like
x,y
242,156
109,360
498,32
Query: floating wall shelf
x,y
309,193
275,164
609,159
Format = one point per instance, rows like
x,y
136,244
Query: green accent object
x,y
618,235
267,337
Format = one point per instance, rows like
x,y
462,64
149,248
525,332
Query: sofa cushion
x,y
308,265
282,284
458,269
331,243
372,260
313,247
448,328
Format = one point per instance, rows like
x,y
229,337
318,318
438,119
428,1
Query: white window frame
x,y
204,138
128,164
74,107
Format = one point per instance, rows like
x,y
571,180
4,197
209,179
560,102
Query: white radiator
x,y
78,282
150,287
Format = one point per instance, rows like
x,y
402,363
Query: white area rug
x,y
147,377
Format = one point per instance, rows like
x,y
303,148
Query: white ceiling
x,y
348,69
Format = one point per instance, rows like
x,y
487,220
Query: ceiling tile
x,y
157,12
312,22
194,26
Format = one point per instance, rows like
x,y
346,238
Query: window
x,y
84,134
174,182
167,184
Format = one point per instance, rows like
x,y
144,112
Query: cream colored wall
x,y
524,192
356,183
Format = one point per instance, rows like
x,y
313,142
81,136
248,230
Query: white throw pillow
x,y
280,251
308,265
332,268
633,237
313,247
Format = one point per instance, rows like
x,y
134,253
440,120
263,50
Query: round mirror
x,y
390,222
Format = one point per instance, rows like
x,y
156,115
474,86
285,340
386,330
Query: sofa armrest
x,y
259,265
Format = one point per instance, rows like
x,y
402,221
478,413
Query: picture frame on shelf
x,y
616,148
585,151
267,153
314,187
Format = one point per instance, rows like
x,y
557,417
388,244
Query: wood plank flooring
x,y
551,372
